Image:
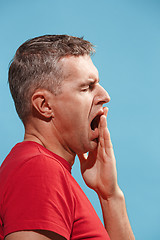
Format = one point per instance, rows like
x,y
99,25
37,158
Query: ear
x,y
41,102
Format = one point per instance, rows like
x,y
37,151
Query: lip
x,y
99,113
94,134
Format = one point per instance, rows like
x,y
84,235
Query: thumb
x,y
82,157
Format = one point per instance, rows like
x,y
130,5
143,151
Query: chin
x,y
92,145
87,146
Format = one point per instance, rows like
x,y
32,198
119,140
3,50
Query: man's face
x,y
79,103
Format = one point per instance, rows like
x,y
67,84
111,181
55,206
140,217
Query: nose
x,y
102,96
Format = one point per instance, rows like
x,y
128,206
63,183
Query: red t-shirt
x,y
37,191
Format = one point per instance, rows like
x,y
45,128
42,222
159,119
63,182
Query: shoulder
x,y
31,168
33,156
40,192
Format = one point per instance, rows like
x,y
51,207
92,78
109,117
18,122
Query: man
x,y
57,95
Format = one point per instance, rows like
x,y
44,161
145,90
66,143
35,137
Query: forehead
x,y
78,67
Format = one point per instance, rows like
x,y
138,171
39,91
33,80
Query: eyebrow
x,y
90,81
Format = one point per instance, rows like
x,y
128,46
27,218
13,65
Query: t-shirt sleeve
x,y
38,196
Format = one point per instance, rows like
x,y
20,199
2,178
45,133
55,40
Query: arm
x,y
34,235
115,217
99,172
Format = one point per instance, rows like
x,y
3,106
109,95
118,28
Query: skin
x,y
62,124
64,116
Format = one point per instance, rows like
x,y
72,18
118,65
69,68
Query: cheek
x,y
74,112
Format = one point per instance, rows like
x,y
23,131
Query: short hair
x,y
36,65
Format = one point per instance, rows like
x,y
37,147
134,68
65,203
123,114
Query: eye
x,y
85,89
90,87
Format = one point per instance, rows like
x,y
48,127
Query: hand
x,y
99,167
99,172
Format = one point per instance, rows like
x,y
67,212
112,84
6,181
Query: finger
x,y
106,133
105,140
102,126
105,110
103,122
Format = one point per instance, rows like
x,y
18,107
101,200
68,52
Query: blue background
x,y
127,39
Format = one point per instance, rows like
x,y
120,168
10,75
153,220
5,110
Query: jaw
x,y
94,134
91,141
86,143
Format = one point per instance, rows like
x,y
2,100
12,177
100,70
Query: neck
x,y
48,141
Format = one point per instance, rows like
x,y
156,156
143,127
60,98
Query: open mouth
x,y
95,122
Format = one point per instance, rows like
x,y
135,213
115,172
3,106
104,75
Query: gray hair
x,y
36,65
